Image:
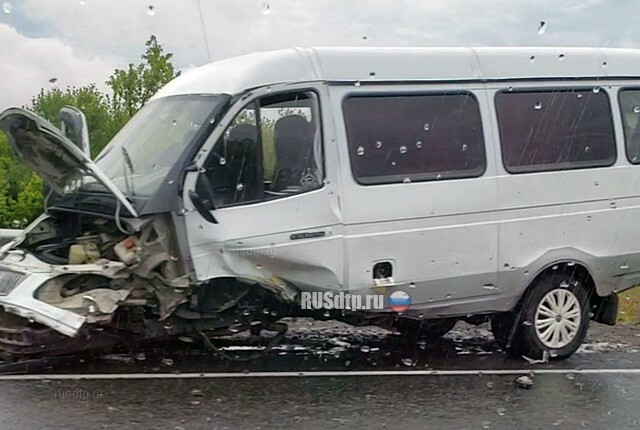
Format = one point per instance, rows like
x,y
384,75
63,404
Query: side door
x,y
420,197
267,176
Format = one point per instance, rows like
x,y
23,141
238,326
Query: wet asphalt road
x,y
193,394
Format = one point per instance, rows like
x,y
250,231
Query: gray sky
x,y
81,41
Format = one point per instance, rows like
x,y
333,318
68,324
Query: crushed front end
x,y
77,276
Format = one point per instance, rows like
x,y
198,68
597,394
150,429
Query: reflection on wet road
x,y
477,399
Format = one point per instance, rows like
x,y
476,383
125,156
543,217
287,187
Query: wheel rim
x,y
558,317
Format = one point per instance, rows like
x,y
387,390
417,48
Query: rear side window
x,y
630,111
414,138
555,129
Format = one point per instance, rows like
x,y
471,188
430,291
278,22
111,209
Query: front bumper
x,y
22,274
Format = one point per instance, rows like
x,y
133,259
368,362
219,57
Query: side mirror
x,y
202,206
74,126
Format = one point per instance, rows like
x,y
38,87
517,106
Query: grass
x,y
629,309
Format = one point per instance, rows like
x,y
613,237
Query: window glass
x,y
271,149
555,129
630,111
414,138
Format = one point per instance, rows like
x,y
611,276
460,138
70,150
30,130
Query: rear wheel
x,y
554,318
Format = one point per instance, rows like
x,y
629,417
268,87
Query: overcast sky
x,y
79,42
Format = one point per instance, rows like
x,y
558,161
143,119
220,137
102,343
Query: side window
x,y
555,129
272,149
630,111
414,138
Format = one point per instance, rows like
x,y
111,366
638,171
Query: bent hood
x,y
57,160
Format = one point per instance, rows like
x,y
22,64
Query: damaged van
x,y
484,184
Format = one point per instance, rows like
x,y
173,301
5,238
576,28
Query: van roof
x,y
237,74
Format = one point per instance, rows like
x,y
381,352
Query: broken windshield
x,y
140,156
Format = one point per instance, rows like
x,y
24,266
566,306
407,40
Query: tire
x,y
554,317
425,329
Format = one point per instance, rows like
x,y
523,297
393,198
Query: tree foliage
x,y
133,87
21,198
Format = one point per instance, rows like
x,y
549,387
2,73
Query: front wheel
x,y
554,319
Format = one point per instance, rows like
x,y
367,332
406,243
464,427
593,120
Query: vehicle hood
x,y
57,160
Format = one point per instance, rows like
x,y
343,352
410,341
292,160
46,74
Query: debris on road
x,y
524,382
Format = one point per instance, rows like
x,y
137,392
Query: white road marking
x,y
313,374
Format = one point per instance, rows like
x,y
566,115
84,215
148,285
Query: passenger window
x,y
630,111
414,138
555,129
271,149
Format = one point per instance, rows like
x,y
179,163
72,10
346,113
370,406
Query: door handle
x,y
307,235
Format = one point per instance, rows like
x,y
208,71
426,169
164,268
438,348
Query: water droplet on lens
x,y
542,27
419,144
464,147
427,127
407,362
151,10
571,376
486,424
403,149
365,348
223,161
266,8
636,109
510,88
537,106
561,57
532,58
596,89
379,144
360,150
357,83
501,411
6,7
327,314
239,187
406,180
587,149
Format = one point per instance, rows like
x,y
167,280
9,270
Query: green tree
x,y
20,190
133,87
